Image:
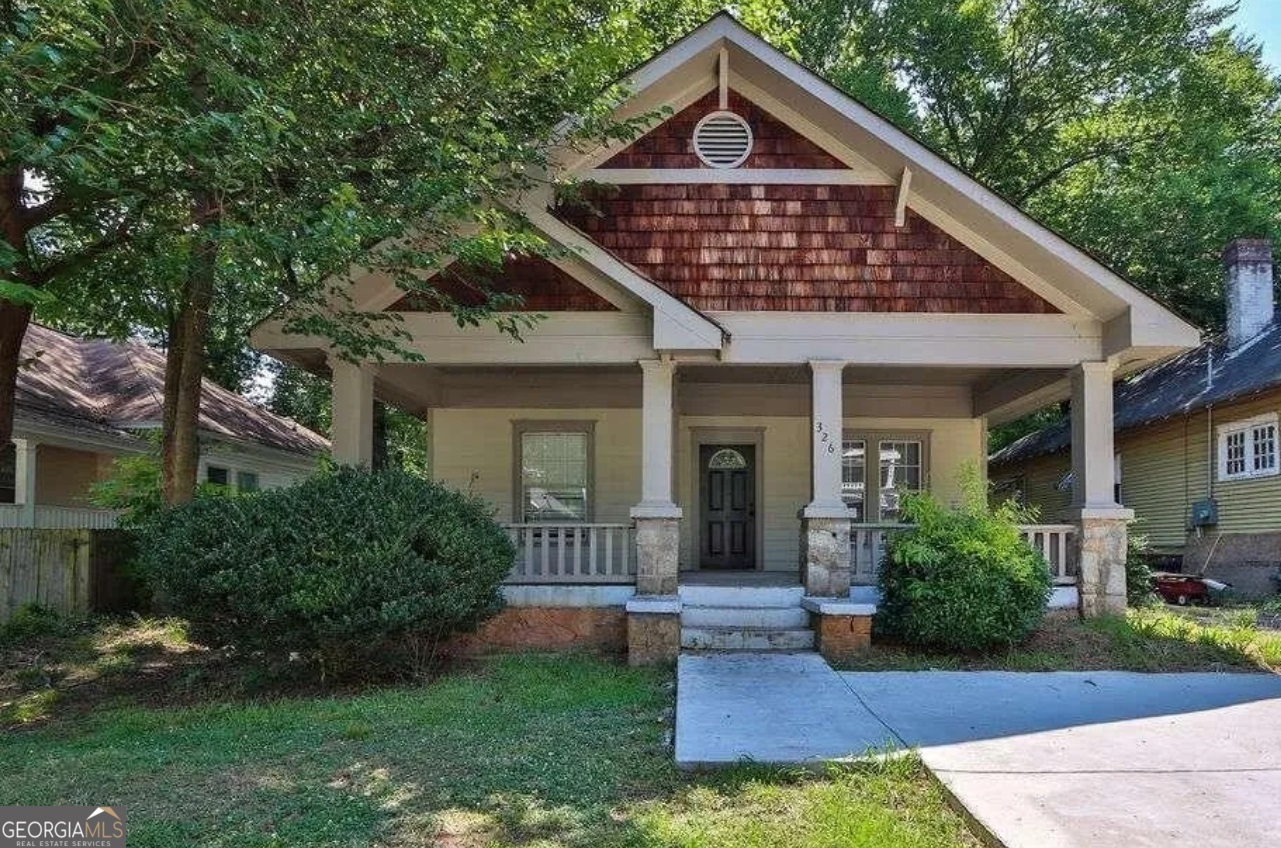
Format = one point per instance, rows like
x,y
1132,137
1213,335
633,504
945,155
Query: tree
x,y
1138,128
284,141
1141,129
77,115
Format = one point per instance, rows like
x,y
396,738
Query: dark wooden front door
x,y
727,497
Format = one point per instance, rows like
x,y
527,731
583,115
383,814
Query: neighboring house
x,y
81,403
775,314
1196,442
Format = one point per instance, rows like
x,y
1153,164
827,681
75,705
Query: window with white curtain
x,y
900,463
554,474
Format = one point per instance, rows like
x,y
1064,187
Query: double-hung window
x,y
554,471
900,463
1248,448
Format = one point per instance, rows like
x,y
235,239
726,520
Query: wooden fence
x,y
64,570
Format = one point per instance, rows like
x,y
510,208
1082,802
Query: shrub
x,y
32,621
961,579
134,488
1138,571
346,567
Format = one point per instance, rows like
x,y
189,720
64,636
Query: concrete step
x,y
741,596
751,617
746,639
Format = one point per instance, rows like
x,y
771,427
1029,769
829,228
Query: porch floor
x,y
708,577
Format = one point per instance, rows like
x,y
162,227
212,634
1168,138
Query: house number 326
x,y
824,437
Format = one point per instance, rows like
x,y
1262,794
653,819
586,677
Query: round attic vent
x,y
722,140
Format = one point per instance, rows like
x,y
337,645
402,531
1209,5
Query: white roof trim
x,y
706,42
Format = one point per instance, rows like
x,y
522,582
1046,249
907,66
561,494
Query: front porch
x,y
605,554
667,478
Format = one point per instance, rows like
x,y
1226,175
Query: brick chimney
x,y
1247,265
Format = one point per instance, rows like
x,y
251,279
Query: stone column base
x,y
653,629
825,556
658,542
842,630
1101,555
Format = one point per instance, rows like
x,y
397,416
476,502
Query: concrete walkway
x,y
1044,760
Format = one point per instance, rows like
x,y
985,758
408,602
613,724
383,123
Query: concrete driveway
x,y
1044,760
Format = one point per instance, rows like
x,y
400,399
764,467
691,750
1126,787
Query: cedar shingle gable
x,y
541,285
807,248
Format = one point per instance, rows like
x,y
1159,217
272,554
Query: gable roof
x,y
1208,375
98,387
1065,275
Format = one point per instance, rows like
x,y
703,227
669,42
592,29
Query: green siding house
x,y
1196,443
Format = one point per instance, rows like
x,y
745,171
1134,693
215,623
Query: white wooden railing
x,y
1054,541
573,553
43,517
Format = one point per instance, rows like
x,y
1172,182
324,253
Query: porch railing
x,y
573,553
1054,541
44,517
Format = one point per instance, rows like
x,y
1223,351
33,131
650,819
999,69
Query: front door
x,y
727,497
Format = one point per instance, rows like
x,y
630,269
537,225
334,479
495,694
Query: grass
x,y
519,751
1152,639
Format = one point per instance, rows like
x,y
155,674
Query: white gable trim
x,y
677,326
938,186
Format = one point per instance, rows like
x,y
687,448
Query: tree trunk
x,y
14,319
381,458
185,361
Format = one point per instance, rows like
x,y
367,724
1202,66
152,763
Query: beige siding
x,y
63,475
471,449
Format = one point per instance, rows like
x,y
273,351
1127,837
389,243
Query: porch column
x,y
353,413
24,483
657,516
1101,537
825,521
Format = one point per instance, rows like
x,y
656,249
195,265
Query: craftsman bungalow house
x,y
776,313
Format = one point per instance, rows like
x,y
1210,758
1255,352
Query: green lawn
x,y
1156,638
532,751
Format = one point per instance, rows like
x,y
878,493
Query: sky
x,y
1262,19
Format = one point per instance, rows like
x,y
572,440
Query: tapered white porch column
x,y
657,516
24,482
825,520
1101,539
353,413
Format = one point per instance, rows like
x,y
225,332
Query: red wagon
x,y
1184,589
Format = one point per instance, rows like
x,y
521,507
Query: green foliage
x,y
1138,571
134,488
345,567
1006,434
33,620
961,579
1142,129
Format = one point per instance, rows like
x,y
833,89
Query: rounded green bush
x,y
961,579
347,566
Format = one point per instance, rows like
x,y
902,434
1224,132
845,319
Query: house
x,y
1196,442
81,403
774,314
